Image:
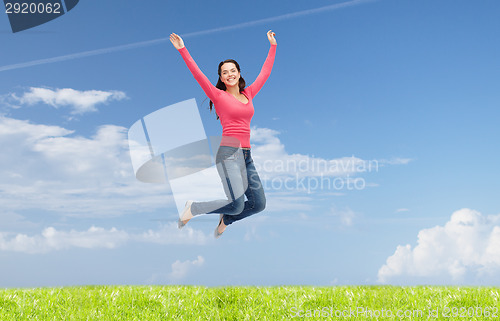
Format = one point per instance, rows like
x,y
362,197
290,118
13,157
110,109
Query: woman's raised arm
x,y
202,80
265,72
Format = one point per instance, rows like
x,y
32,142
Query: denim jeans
x,y
239,178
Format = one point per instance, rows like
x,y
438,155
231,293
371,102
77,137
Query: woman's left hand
x,y
270,36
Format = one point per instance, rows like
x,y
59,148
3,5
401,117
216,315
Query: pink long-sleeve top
x,y
234,115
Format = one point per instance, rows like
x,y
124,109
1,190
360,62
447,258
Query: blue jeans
x,y
239,178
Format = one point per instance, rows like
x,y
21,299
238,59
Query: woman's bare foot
x,y
186,215
220,228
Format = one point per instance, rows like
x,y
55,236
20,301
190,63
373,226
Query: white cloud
x,y
80,102
251,233
181,269
298,172
289,201
47,168
395,161
273,161
51,239
170,234
468,245
346,215
11,220
24,130
9,101
400,210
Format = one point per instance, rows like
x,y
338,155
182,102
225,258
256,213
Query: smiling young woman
x,y
233,104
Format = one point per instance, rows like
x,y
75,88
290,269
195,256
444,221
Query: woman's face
x,y
229,75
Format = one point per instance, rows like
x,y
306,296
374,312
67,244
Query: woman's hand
x,y
270,36
176,40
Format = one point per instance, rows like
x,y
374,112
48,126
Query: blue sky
x,y
411,86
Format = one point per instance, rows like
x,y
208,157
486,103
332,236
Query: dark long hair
x,y
220,85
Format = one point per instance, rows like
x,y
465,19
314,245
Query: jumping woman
x,y
233,105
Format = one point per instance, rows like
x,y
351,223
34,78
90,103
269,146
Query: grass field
x,y
250,303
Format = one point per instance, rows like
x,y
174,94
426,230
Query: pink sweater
x,y
234,115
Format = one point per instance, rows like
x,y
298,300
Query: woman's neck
x,y
233,90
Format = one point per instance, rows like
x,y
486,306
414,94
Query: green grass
x,y
250,303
